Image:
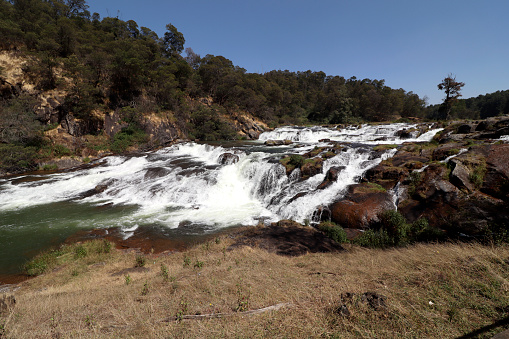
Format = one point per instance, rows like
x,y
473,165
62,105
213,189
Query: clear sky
x,y
412,44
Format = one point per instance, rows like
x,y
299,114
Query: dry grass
x,y
467,286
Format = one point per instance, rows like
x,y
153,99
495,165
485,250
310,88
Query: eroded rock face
x,y
361,207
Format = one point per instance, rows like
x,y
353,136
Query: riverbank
x,y
223,289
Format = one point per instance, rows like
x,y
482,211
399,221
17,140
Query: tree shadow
x,y
476,333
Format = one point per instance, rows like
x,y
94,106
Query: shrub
x,y
15,158
395,225
140,261
128,137
80,251
333,231
374,239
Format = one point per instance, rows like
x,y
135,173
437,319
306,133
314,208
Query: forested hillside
x,y
109,78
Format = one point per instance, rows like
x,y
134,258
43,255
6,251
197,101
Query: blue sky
x,y
412,44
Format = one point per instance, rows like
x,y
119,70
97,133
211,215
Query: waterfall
x,y
187,184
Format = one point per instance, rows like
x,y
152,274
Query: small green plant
x,y
75,272
164,272
198,264
187,261
89,320
140,261
243,297
80,252
128,279
145,289
182,311
86,160
218,241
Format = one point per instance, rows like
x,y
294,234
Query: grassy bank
x,y
435,291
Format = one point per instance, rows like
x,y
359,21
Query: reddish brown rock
x,y
361,206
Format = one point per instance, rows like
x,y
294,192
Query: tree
x,y
452,90
173,41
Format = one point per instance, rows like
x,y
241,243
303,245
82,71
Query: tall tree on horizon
x,y
452,90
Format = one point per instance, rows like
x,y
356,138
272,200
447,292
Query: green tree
x,y
452,89
173,41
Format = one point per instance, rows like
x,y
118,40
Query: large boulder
x,y
361,206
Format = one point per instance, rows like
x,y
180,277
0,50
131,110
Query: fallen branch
x,y
221,315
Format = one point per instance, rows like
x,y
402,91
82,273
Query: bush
x,y
392,230
128,137
15,158
333,231
394,223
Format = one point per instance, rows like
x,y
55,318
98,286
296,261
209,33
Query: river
x,y
184,191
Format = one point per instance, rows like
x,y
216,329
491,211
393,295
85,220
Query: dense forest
x,y
107,64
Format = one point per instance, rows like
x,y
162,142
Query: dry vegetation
x,y
434,291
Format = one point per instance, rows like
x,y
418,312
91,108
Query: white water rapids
x,y
185,184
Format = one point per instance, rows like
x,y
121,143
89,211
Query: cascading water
x,y
186,187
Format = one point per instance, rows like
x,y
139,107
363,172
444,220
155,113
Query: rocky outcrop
x,y
460,185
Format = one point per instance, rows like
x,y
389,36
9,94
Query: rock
x,y
446,150
466,128
156,172
78,127
97,189
496,179
406,133
459,176
331,176
228,159
385,175
62,163
278,142
361,206
286,237
408,160
311,168
297,196
161,130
